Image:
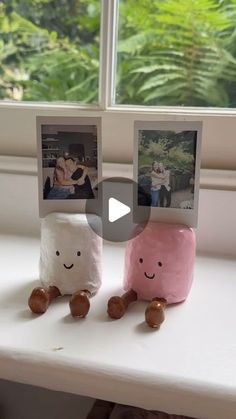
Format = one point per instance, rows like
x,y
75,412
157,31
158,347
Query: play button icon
x,y
117,210
117,205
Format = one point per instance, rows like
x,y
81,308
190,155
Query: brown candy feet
x,y
80,304
116,307
155,313
39,300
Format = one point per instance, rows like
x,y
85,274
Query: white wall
x,y
18,132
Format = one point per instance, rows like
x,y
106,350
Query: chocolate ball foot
x,y
79,304
116,307
154,314
39,300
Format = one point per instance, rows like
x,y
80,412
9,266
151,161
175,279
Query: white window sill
x,y
187,367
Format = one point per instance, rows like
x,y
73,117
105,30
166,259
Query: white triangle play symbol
x,y
116,210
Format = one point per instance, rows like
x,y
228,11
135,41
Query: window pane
x,y
49,50
177,53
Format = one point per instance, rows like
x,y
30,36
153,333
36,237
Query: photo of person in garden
x,y
166,166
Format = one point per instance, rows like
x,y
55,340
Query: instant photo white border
x,y
187,217
65,205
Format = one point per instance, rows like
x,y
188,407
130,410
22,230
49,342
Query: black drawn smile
x,y
68,267
149,276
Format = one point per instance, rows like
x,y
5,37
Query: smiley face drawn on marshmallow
x,y
159,262
66,266
148,275
70,254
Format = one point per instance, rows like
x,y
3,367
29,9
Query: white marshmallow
x,y
71,253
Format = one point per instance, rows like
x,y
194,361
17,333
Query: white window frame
x,y
17,120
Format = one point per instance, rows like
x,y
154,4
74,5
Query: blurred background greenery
x,y
170,52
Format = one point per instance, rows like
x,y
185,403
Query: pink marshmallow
x,y
159,262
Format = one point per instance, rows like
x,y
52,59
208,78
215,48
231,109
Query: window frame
x,y
106,107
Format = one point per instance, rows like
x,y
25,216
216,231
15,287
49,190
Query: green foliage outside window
x,y
177,52
49,50
170,52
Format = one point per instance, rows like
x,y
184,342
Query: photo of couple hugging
x,y
69,161
160,185
70,180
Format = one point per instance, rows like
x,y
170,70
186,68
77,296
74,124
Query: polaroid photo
x,y
69,162
167,170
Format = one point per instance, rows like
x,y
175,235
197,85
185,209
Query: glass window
x,y
49,50
177,53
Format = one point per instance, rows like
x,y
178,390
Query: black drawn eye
x,y
57,253
141,260
159,263
78,253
